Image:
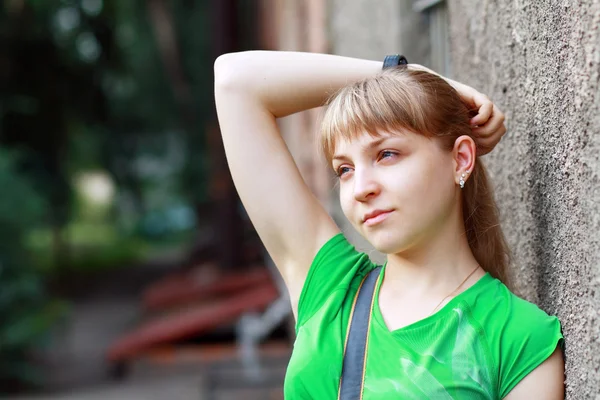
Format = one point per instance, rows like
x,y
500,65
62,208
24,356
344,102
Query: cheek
x,y
428,190
345,202
435,193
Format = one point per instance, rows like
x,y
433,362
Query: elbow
x,y
228,71
223,69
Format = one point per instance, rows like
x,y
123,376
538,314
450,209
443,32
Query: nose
x,y
365,185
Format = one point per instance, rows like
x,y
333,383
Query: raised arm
x,y
252,89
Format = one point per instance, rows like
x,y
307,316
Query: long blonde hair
x,y
399,99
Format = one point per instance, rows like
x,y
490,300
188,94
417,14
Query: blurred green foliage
x,y
83,86
25,311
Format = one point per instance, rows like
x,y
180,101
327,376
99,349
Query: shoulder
x,y
337,267
545,382
514,316
520,334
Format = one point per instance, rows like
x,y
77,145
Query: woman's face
x,y
397,190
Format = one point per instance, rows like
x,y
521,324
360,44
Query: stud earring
x,y
462,181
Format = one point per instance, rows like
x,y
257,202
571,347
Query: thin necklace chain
x,y
458,287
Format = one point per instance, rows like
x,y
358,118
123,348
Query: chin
x,y
387,242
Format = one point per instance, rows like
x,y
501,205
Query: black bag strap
x,y
357,337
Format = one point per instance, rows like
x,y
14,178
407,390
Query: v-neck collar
x,y
378,316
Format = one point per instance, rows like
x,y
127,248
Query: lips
x,y
376,216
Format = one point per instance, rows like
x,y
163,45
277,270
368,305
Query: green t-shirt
x,y
478,346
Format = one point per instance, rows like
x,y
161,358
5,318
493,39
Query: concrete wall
x,y
368,29
540,62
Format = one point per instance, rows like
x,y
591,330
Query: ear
x,y
464,153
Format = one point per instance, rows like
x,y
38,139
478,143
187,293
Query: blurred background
x,y
122,239
128,268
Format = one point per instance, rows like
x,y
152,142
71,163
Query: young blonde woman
x,y
444,324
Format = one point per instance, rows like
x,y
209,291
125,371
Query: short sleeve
x,y
334,267
528,338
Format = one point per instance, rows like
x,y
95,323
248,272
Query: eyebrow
x,y
368,146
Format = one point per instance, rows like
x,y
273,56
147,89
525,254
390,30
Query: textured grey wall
x,y
369,29
540,62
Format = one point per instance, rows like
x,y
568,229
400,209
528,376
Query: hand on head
x,y
488,125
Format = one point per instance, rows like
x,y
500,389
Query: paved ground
x,y
192,380
76,369
178,387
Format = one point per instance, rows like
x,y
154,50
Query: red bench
x,y
193,321
200,284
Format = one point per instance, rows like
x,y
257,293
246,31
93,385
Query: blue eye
x,y
386,154
341,171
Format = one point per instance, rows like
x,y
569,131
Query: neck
x,y
440,264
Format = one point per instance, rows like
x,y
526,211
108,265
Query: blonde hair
x,y
400,99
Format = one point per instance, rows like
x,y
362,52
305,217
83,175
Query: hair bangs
x,y
367,108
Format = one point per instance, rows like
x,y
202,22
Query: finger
x,y
485,146
489,143
483,114
490,130
495,119
498,114
488,133
494,124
